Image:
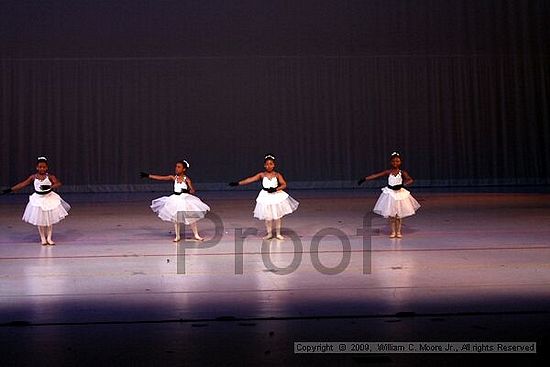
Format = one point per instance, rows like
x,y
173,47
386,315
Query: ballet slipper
x,y
177,232
196,232
269,230
393,230
278,229
42,233
49,232
398,228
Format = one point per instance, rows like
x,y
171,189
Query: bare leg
x,y
177,231
392,225
278,229
42,232
398,227
49,232
269,229
196,232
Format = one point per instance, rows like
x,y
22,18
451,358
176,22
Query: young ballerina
x,y
45,207
272,202
395,201
181,206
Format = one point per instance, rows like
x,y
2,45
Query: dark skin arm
x,y
408,180
378,175
161,178
23,184
251,179
56,183
190,185
261,175
173,178
282,182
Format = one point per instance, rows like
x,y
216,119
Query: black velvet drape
x,y
106,89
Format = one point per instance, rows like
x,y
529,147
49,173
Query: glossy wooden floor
x,y
116,290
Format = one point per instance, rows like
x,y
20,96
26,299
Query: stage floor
x,y
115,289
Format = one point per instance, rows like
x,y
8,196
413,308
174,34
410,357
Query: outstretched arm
x,y
23,184
408,179
377,175
250,179
373,177
282,182
161,178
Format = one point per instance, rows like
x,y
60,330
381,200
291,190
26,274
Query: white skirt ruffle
x,y
183,208
393,203
275,205
45,210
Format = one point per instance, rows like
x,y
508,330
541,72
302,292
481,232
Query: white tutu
x,y
396,202
45,210
275,205
183,208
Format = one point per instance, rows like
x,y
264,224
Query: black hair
x,y
269,157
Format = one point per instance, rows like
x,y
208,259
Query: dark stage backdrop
x,y
108,88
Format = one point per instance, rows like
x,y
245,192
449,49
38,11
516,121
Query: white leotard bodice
x,y
270,182
395,180
179,186
38,183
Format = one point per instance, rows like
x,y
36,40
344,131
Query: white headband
x,y
395,153
187,163
269,156
41,159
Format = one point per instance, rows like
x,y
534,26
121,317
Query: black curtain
x,y
106,89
